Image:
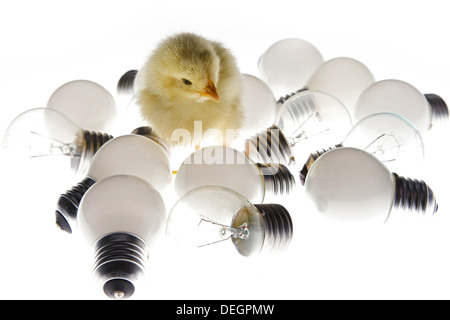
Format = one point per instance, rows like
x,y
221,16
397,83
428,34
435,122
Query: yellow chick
x,y
186,79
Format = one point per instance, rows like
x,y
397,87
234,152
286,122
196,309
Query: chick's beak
x,y
210,92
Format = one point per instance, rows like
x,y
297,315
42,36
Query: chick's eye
x,y
187,82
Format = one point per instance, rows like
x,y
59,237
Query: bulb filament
x,y
225,232
297,137
56,147
389,142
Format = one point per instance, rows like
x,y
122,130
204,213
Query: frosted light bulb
x,y
134,154
287,65
351,185
46,134
258,104
396,96
87,103
227,167
389,137
344,78
212,215
307,118
120,217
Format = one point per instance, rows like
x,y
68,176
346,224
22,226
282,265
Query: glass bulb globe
x,y
87,103
120,217
287,64
258,104
389,137
227,167
351,185
396,96
133,155
344,78
308,118
214,215
48,136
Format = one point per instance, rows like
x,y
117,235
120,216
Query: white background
x,y
45,44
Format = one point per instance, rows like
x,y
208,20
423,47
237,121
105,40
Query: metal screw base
x,y
414,195
278,227
68,203
92,141
439,109
277,178
271,146
284,98
119,261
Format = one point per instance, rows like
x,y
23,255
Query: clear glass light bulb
x,y
344,78
214,215
227,167
87,103
389,137
120,217
308,118
48,136
394,140
287,65
351,185
134,155
396,96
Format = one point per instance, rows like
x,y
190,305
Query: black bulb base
x,y
68,203
439,109
278,227
284,98
270,146
413,195
118,289
278,180
126,82
119,262
91,143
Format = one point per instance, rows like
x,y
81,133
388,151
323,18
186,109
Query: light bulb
x,y
227,167
389,137
141,155
396,96
214,215
44,134
287,64
307,118
120,217
344,78
87,103
351,185
258,104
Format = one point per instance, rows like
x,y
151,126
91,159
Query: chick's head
x,y
190,67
